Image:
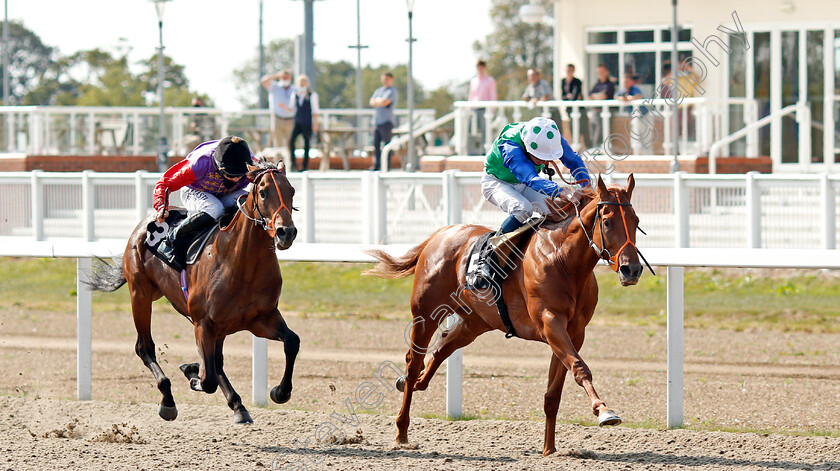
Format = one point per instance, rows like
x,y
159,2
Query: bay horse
x,y
234,286
551,294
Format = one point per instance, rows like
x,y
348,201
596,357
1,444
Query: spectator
x,y
482,88
384,99
280,91
630,92
572,91
666,88
305,104
604,89
571,85
202,127
537,89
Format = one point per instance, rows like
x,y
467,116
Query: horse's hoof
x,y
190,370
167,413
242,417
608,417
401,384
280,397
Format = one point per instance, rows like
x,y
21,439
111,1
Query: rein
x,y
603,252
263,222
560,174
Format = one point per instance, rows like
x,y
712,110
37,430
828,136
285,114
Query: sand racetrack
x,y
734,380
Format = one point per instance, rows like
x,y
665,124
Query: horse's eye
x,y
606,224
262,193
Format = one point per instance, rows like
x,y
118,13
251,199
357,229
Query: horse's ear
x,y
252,172
602,187
631,183
281,167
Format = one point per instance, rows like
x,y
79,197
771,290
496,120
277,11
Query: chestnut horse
x,y
234,286
551,294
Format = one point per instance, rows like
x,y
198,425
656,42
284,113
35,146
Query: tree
x,y
173,74
441,98
29,61
514,46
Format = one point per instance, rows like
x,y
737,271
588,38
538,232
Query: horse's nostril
x,y
281,232
292,233
625,270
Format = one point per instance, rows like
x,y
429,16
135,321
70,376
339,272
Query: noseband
x,y
603,252
265,223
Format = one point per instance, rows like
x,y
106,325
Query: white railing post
x,y
87,206
674,415
308,192
667,144
451,197
367,208
679,200
36,193
827,198
454,379
83,330
605,125
141,202
379,200
462,130
91,137
753,200
259,371
575,116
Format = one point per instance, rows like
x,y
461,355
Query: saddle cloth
x,y
157,232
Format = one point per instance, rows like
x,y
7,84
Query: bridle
x,y
263,222
603,252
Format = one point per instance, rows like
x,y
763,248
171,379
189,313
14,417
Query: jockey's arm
x,y
177,177
574,163
523,169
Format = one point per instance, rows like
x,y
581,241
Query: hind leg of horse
x,y
461,336
273,327
556,379
562,345
141,308
422,330
240,414
205,340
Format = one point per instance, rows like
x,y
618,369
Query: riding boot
x,y
179,239
484,269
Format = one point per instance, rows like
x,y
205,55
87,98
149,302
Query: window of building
x,y
633,50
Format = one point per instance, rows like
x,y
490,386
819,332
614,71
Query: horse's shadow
x,y
648,457
319,455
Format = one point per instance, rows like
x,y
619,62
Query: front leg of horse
x,y
272,326
562,346
240,414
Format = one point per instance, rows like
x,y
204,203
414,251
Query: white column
x,y
259,371
776,95
140,195
675,347
83,331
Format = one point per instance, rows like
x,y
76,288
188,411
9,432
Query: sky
x,y
212,37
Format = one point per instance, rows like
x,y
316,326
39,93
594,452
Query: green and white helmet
x,y
542,139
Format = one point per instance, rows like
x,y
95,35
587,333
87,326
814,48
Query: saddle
x,y
157,236
502,253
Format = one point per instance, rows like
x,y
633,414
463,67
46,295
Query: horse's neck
x,y
243,240
575,254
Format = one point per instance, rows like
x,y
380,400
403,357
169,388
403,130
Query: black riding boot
x,y
179,239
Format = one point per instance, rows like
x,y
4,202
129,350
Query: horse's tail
x,y
106,276
396,267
